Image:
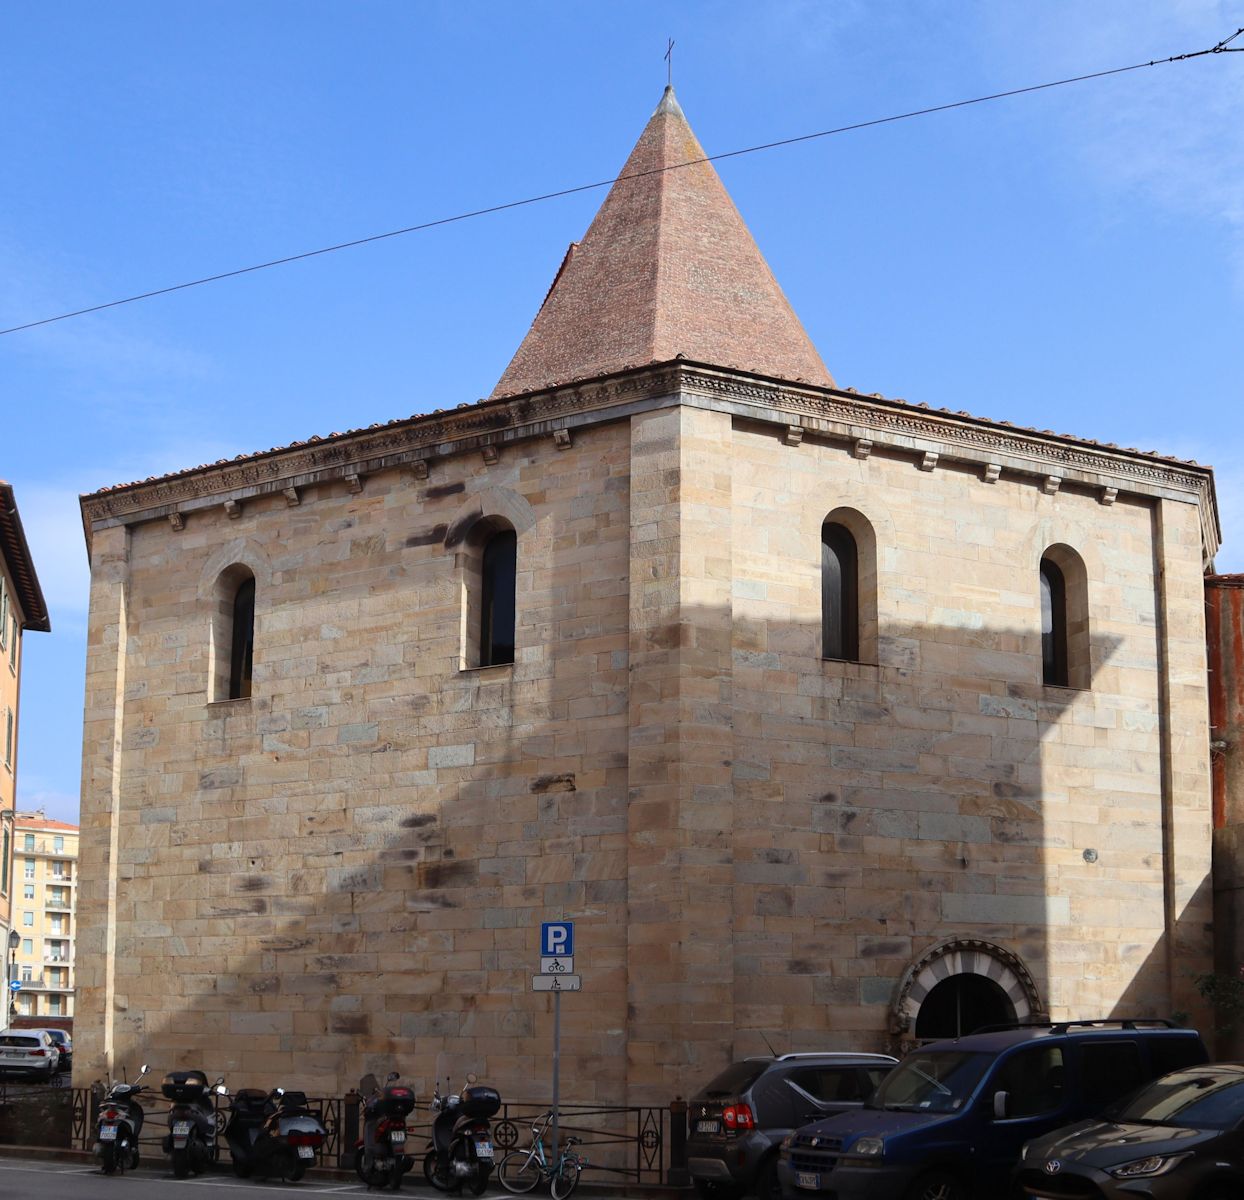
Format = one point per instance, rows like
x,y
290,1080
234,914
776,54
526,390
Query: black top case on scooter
x,y
185,1087
397,1101
479,1103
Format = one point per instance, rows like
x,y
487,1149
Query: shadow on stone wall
x,y
876,808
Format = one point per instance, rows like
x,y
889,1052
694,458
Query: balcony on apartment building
x,y
46,981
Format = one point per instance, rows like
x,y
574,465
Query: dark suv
x,y
948,1123
738,1121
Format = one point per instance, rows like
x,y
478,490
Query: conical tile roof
x,y
668,268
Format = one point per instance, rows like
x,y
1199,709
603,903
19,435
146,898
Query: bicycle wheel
x,y
566,1178
519,1171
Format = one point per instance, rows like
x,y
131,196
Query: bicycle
x,y
521,1170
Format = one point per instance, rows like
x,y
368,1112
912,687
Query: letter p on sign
x,y
557,939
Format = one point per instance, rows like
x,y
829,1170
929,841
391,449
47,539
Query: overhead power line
x,y
1223,47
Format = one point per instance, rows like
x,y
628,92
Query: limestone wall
x,y
347,871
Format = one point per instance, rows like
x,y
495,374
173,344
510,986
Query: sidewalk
x,y
154,1167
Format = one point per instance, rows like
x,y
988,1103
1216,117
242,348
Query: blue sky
x,y
1071,260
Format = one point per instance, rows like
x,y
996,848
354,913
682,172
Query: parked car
x,y
1181,1136
949,1122
738,1121
64,1043
28,1051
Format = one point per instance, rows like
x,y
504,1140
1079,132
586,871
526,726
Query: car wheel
x,y
768,1186
938,1185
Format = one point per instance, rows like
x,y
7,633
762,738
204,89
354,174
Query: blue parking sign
x,y
556,939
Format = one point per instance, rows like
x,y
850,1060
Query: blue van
x,y
949,1121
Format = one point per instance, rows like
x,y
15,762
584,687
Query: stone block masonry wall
x,y
941,789
346,871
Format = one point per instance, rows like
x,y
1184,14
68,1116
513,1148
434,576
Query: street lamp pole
x,y
15,940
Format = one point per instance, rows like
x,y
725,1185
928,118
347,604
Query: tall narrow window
x,y
1053,625
242,645
840,622
498,568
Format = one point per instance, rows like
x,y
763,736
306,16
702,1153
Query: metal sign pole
x,y
557,1055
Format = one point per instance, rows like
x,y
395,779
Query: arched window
x,y
498,569
1053,624
1066,645
242,639
232,646
840,588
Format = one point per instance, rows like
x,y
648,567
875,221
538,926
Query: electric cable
x,y
1220,48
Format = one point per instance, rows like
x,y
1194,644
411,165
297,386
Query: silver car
x,y
30,1051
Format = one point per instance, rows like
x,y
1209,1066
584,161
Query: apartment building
x,y
45,861
22,608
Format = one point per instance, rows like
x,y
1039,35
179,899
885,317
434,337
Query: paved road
x,y
28,1179
32,1179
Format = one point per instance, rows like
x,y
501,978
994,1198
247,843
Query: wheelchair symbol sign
x,y
557,939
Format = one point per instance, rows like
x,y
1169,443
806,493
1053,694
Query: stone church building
x,y
830,719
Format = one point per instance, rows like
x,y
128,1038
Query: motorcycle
x,y
461,1153
192,1121
380,1157
272,1133
120,1123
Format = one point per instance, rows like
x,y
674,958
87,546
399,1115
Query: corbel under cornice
x,y
861,424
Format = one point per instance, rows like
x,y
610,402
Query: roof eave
x,y
21,567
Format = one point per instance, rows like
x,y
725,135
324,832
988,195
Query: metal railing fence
x,y
641,1144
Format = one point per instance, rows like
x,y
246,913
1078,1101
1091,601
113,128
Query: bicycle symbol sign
x,y
557,966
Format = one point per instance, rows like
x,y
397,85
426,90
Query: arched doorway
x,y
958,985
960,1004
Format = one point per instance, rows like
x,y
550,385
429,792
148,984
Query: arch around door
x,y
999,978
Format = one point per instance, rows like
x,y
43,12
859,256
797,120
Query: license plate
x,y
483,1149
181,1128
397,1136
107,1133
306,1152
808,1179
706,1127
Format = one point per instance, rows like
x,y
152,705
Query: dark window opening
x,y
243,640
840,621
496,638
1053,625
963,1003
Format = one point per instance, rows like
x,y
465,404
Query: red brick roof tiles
x,y
667,269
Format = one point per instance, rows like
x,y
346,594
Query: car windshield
x,y
1191,1099
931,1081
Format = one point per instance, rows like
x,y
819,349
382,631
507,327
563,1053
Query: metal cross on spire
x,y
669,58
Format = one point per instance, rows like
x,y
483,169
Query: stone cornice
x,y
829,413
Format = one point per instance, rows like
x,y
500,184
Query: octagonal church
x,y
832,721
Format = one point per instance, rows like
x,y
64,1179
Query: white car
x,y
30,1051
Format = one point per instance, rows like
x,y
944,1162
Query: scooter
x,y
192,1121
380,1157
272,1133
120,1123
461,1153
